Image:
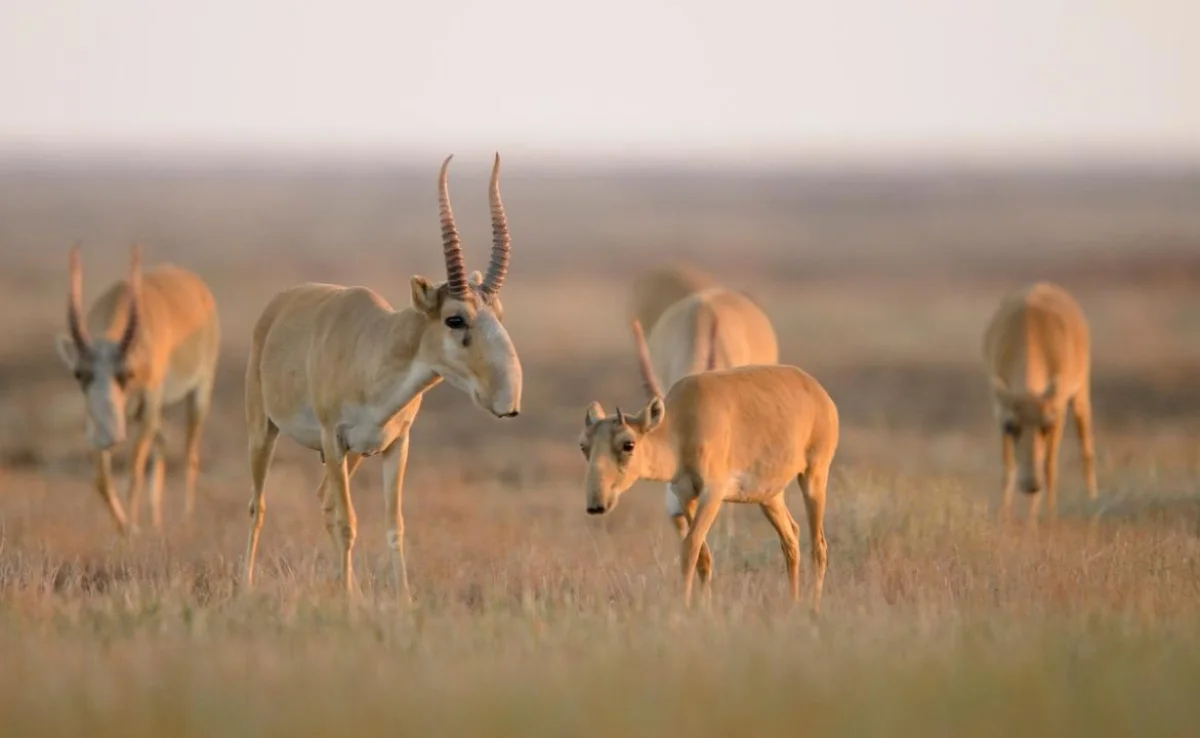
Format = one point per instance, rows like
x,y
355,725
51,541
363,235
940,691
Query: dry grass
x,y
535,619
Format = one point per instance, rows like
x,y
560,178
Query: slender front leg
x,y
785,525
682,516
158,454
1010,475
395,464
151,415
1081,408
347,522
329,502
104,486
1052,445
709,506
198,402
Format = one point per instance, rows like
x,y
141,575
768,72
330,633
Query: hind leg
x,y
158,459
785,525
813,484
1081,408
262,448
198,402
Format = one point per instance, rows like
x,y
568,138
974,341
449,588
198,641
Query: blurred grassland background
x,y
534,618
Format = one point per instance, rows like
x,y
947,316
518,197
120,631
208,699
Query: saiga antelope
x,y
732,435
704,327
147,342
339,371
1037,350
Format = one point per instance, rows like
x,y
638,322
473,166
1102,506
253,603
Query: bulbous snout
x,y
498,388
103,436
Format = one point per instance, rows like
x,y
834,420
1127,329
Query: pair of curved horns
x,y
75,302
456,269
649,381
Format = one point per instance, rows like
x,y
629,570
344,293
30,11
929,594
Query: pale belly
x,y
741,487
356,429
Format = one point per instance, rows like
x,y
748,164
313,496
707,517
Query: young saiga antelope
x,y
708,327
339,371
733,435
1038,354
147,342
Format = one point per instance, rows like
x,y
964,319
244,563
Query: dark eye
x,y
83,376
627,447
123,376
456,322
1012,428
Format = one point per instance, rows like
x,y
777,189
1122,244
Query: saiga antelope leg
x,y
347,521
151,415
813,484
198,403
158,460
1010,476
104,486
682,516
262,447
785,525
1053,443
395,463
328,503
1081,408
709,506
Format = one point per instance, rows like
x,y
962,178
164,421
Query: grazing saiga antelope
x,y
731,435
659,288
710,328
339,371
1037,349
148,342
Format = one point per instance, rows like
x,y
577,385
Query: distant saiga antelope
x,y
732,435
695,324
1038,354
148,342
339,371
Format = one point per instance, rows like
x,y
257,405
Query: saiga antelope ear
x,y
653,414
594,415
424,295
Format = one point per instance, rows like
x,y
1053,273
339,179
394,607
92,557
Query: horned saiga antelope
x,y
1037,350
731,435
696,325
149,341
339,371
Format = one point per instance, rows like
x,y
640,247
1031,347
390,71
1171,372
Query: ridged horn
x,y
501,241
648,379
620,416
135,298
75,303
456,269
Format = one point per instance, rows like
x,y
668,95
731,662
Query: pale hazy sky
x,y
731,78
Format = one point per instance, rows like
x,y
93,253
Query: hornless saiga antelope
x,y
149,341
1037,351
698,325
732,435
339,371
